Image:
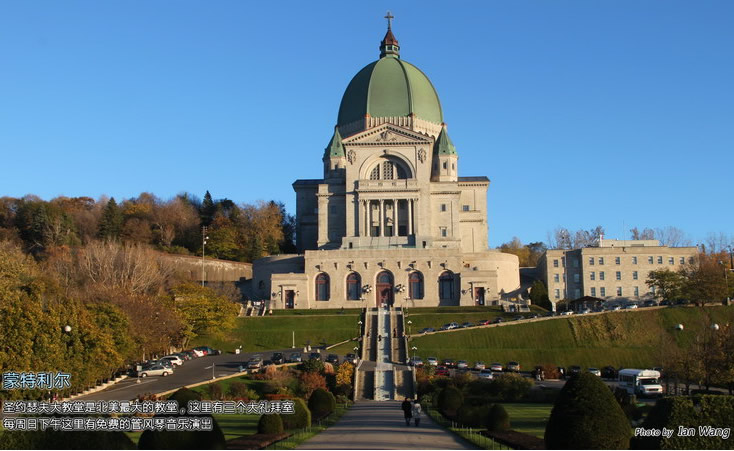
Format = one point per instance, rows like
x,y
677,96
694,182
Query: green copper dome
x,y
390,87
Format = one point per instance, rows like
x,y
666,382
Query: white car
x,y
594,371
174,359
630,306
432,361
462,365
198,353
496,367
566,313
479,365
486,374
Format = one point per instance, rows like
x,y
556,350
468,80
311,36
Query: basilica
x,y
391,223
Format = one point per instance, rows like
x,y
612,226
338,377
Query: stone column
x,y
382,217
394,217
410,216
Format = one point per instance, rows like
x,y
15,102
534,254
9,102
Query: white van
x,y
641,382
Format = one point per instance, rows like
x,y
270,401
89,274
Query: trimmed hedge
x,y
301,418
270,425
321,403
586,416
498,419
450,400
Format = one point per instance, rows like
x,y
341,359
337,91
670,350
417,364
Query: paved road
x,y
380,425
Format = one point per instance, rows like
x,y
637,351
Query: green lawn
x,y
631,339
233,426
437,317
529,418
276,332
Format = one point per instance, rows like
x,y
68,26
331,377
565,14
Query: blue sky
x,y
612,113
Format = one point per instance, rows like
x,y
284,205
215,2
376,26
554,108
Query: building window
x,y
634,275
591,261
443,230
557,294
443,207
601,260
682,260
354,287
416,285
577,293
444,165
619,291
660,260
322,287
637,291
375,174
333,210
617,260
575,262
465,207
619,275
555,263
446,286
601,275
593,291
634,260
592,275
388,170
602,291
691,260
556,278
649,260
576,277
671,261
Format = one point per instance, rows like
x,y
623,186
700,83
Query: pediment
x,y
387,134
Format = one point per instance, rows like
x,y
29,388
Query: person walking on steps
x,y
407,411
417,410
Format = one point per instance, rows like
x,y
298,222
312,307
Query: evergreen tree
x,y
539,295
207,210
110,224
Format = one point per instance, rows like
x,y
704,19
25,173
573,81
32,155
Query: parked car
x,y
333,359
479,365
255,363
352,358
649,303
496,367
167,363
196,352
609,372
208,351
630,306
519,318
432,361
594,371
467,324
484,322
183,355
533,316
486,374
449,326
154,370
566,313
426,330
497,320
616,308
295,357
462,365
449,363
314,356
574,369
442,371
277,358
174,359
268,363
415,361
585,311
513,366
665,302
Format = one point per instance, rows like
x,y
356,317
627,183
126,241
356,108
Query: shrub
x,y
183,396
310,382
312,366
215,391
460,380
345,374
510,387
301,418
328,368
344,390
450,400
321,403
586,416
155,439
270,425
269,372
237,390
497,419
473,416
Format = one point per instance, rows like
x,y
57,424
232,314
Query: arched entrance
x,y
384,289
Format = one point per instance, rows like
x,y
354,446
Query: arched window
x,y
389,168
375,174
354,287
384,277
446,286
416,285
322,287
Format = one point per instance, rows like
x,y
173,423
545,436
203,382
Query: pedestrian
x,y
542,375
379,337
395,333
407,411
416,412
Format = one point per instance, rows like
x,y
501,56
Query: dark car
x,y
333,359
665,302
497,320
277,358
352,358
426,330
650,303
574,369
609,372
549,314
467,324
484,322
295,358
449,363
314,356
442,371
519,318
533,316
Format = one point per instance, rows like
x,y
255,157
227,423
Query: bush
x,y
321,403
450,400
312,366
586,416
344,390
308,382
472,416
270,425
183,396
497,419
215,391
510,387
301,418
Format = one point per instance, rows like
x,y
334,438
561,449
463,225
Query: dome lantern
x,y
389,45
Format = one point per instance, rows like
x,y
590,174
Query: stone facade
x,y
390,222
616,270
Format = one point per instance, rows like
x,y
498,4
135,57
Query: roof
x,y
443,145
480,178
335,147
302,182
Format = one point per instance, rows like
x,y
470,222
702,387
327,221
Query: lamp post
x,y
204,238
726,278
409,329
359,328
413,353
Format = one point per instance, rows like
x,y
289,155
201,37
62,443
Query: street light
x,y
204,239
67,328
409,331
359,328
413,349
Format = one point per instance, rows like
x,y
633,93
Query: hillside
x,y
623,338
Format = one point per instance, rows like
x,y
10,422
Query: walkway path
x,y
380,425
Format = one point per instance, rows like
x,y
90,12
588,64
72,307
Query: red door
x,y
479,296
384,289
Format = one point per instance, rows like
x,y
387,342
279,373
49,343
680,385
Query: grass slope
x,y
629,339
275,332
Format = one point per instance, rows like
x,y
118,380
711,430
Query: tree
x,y
705,280
666,284
203,310
672,237
586,416
110,224
207,210
645,234
539,295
